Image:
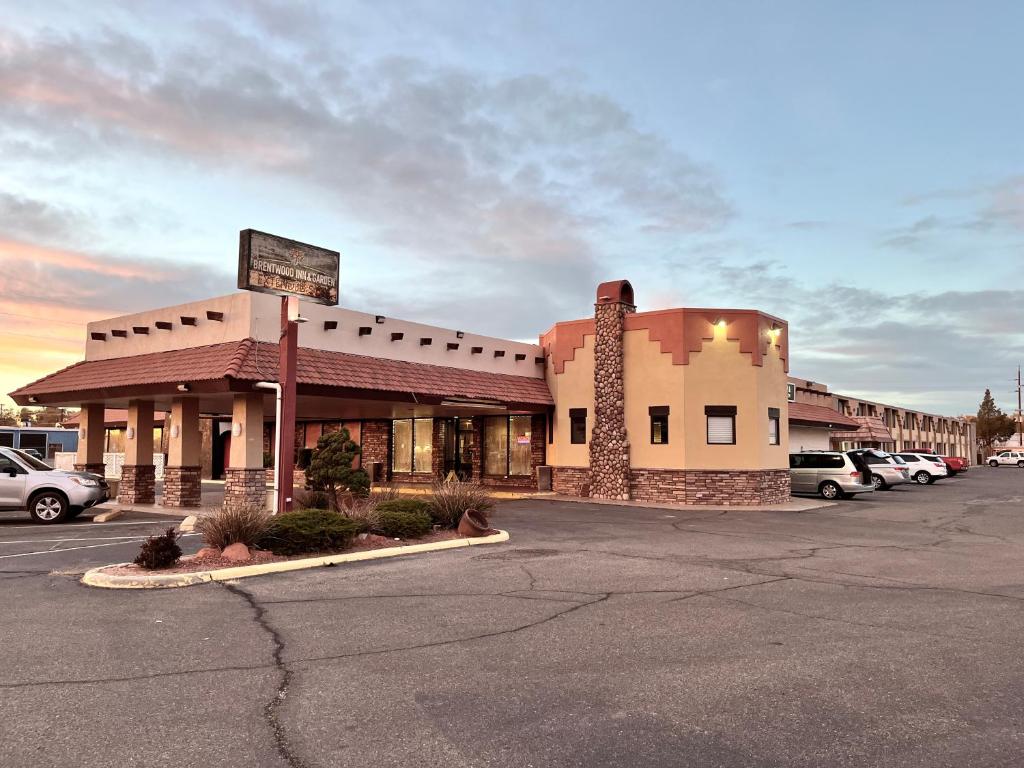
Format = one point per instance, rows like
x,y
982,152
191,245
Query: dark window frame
x,y
719,411
775,414
659,416
576,415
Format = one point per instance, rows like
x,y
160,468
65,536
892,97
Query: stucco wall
x,y
652,379
574,388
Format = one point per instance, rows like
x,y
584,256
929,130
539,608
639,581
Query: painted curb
x,y
110,514
96,578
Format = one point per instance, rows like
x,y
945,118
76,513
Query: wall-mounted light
x,y
175,430
721,323
184,388
82,433
236,429
129,433
33,399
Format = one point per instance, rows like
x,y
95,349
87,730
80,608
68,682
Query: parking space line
x,y
85,524
86,538
71,549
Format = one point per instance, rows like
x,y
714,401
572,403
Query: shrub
x,y
404,505
308,531
383,492
330,468
159,551
305,498
398,524
239,525
451,500
363,510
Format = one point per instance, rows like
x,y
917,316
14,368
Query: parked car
x,y
885,471
833,474
1006,458
925,468
50,495
956,464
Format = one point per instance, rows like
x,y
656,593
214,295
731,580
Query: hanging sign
x,y
272,264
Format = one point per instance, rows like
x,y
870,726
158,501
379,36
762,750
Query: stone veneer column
x,y
138,475
609,444
183,473
91,437
245,480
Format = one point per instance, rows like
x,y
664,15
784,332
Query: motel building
x,y
681,405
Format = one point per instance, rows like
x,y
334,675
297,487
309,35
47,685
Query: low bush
x,y
404,505
451,500
309,531
159,551
398,524
240,525
364,510
383,492
305,498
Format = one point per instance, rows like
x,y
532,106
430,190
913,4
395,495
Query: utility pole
x,y
1020,412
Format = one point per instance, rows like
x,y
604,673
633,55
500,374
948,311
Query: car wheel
x,y
993,463
878,482
1020,464
830,490
922,478
48,507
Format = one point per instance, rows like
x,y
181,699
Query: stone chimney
x,y
609,443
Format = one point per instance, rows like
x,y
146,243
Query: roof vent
x,y
97,336
330,325
520,357
186,320
499,353
140,330
426,341
119,333
215,316
365,330
539,360
452,345
397,336
164,325
476,350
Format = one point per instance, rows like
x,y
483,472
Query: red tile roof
x,y
248,360
870,429
819,415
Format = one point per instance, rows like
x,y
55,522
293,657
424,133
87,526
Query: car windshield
x,y
32,461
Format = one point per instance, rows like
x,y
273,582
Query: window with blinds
x,y
721,424
774,414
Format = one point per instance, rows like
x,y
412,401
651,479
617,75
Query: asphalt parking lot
x,y
885,630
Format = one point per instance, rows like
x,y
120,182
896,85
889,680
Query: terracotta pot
x,y
474,524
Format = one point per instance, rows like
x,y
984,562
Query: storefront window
x,y
496,445
423,442
401,450
519,445
507,445
412,445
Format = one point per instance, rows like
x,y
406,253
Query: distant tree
x,y
330,468
25,417
7,417
994,426
48,416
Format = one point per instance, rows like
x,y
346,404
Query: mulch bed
x,y
192,563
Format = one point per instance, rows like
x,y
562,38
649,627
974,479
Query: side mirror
x,y
10,471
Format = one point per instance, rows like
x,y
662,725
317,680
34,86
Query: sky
x,y
855,168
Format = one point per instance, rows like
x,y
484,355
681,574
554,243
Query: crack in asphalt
x,y
270,709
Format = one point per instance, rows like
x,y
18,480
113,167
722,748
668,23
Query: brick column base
x,y
138,484
245,488
97,469
182,486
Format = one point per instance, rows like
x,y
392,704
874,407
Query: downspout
x,y
277,442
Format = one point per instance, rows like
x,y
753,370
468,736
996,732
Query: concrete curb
x,y
96,578
110,514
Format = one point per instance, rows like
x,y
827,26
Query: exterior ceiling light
x,y
184,388
721,323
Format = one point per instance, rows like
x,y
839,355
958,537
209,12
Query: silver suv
x,y
50,495
833,474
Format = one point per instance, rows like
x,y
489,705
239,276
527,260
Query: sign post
x,y
289,269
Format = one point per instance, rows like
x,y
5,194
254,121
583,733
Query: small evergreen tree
x,y
331,471
993,425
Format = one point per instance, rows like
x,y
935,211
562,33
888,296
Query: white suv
x,y
925,468
50,495
1007,458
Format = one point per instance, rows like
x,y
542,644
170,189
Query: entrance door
x,y
465,447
